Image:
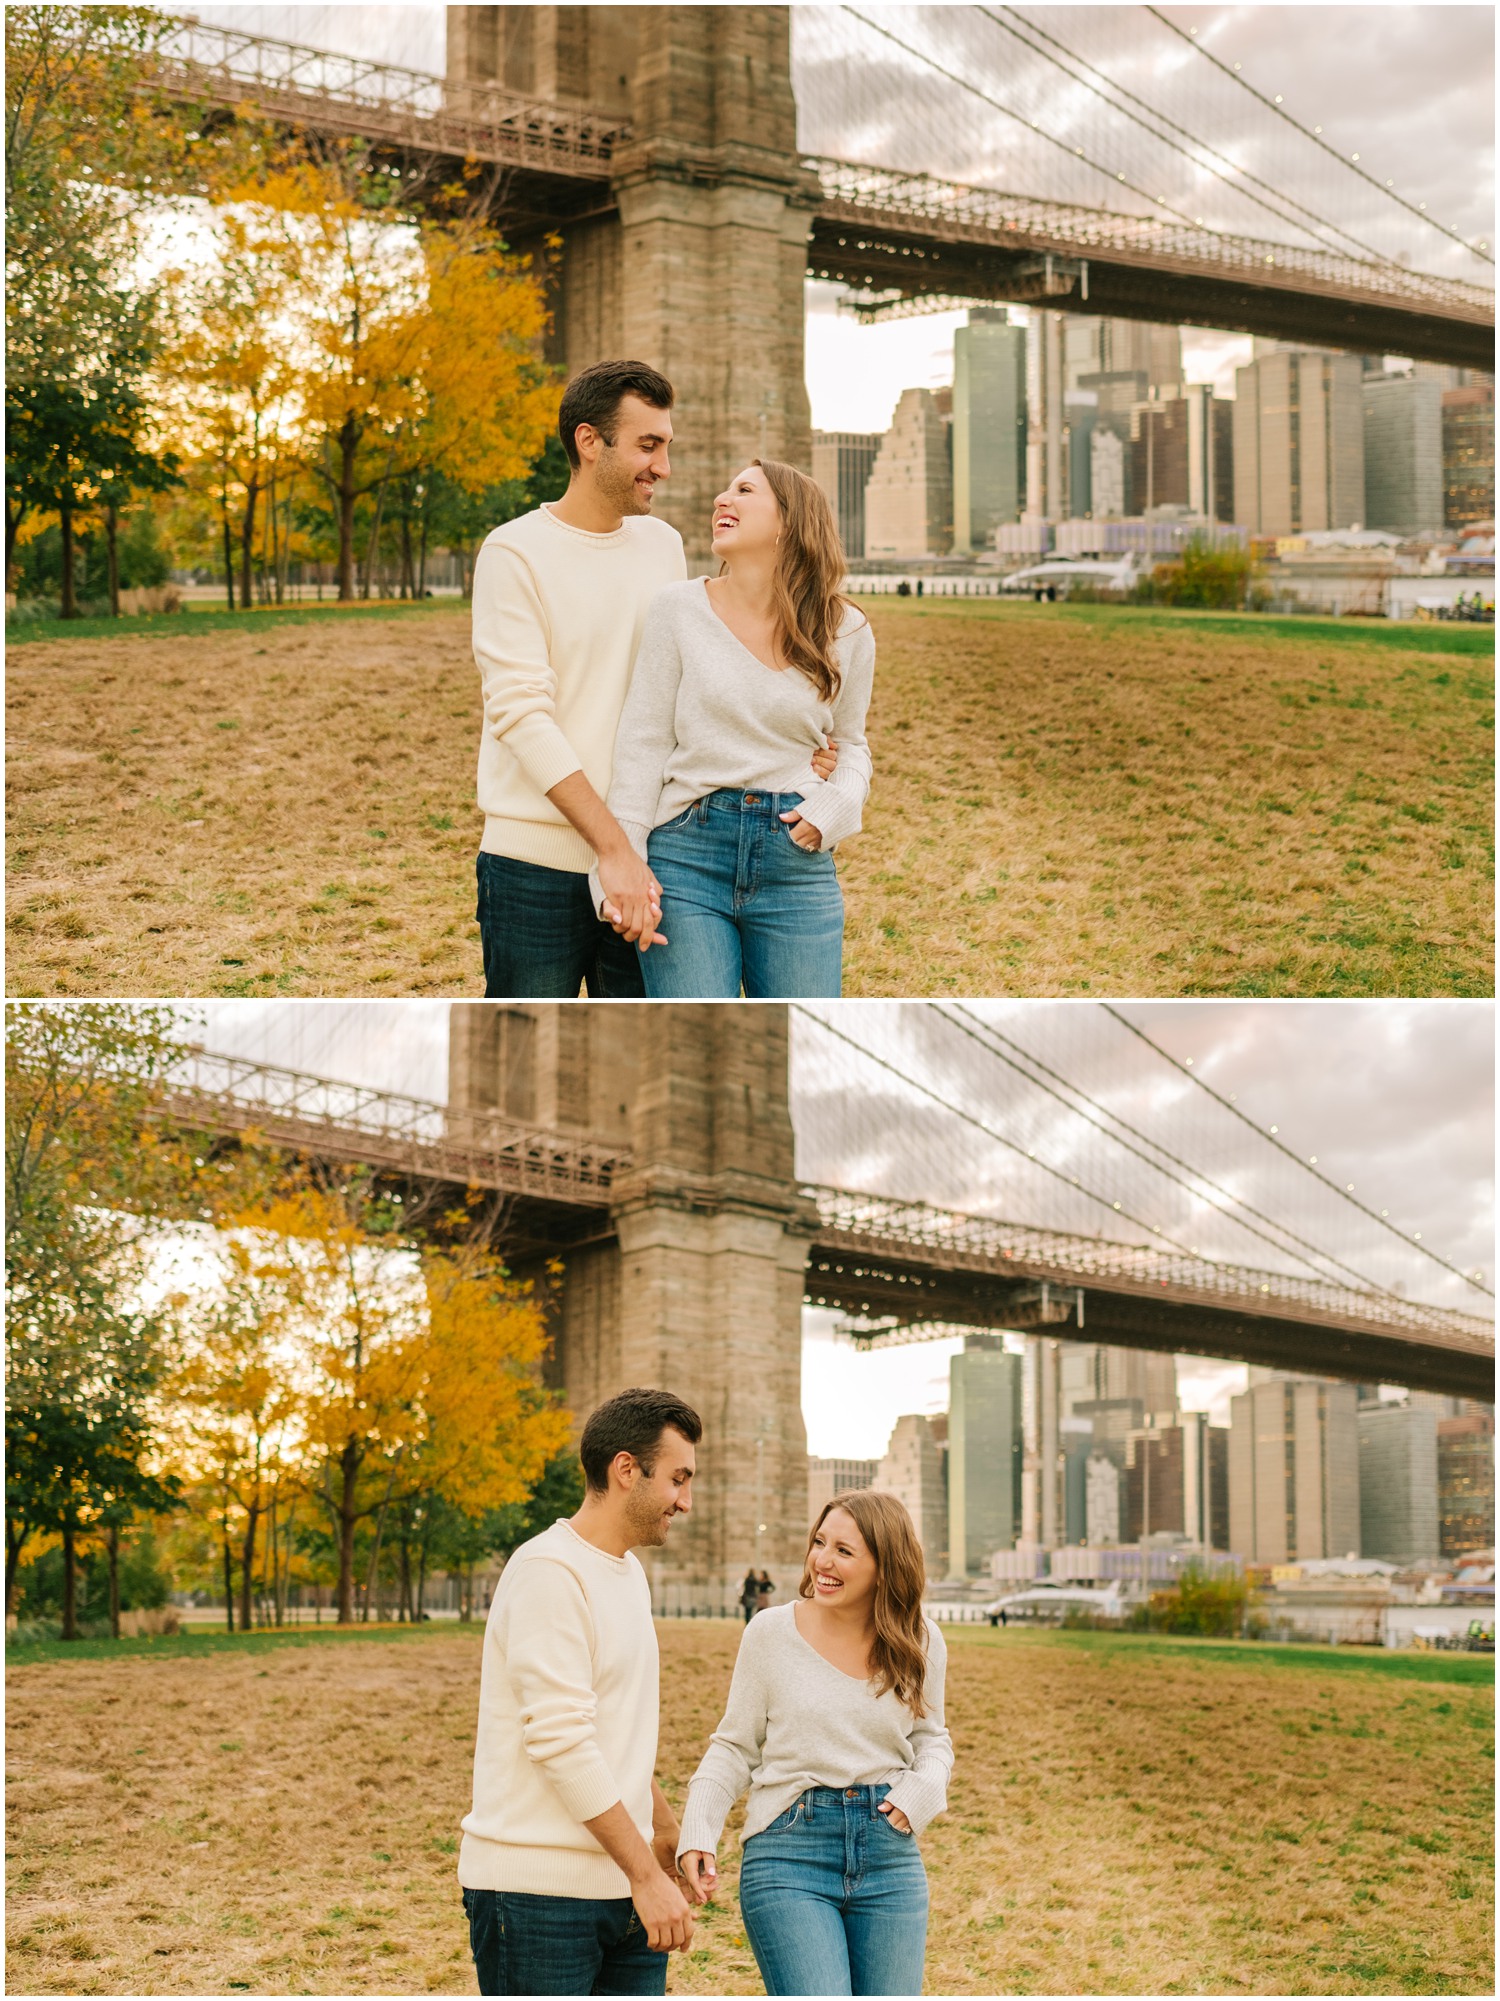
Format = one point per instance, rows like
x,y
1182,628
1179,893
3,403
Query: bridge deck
x,y
905,1268
909,236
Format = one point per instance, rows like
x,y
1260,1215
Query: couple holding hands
x,y
576,1876
666,764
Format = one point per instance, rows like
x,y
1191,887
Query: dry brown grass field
x,y
1127,1818
1068,800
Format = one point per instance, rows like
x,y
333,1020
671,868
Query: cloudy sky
x,y
1394,1096
1381,81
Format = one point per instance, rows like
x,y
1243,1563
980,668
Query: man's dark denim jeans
x,y
542,939
560,1945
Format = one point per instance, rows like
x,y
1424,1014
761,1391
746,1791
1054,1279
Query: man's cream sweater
x,y
569,1698
557,618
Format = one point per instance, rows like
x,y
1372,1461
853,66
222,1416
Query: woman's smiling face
x,y
841,1563
746,519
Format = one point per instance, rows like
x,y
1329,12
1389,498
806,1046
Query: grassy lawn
x,y
1127,1817
1068,800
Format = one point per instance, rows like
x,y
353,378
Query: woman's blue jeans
x,y
834,1899
743,905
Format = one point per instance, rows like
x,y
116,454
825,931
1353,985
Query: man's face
x,y
626,472
665,1491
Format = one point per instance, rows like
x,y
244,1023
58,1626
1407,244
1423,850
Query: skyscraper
x,y
1123,347
1468,455
1398,1479
912,1470
1293,1471
989,426
827,1477
909,496
984,1453
841,464
1403,453
1466,1483
1299,446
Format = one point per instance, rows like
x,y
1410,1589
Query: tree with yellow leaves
x,y
415,1366
417,344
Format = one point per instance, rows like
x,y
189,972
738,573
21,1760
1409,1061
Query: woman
x,y
835,1720
740,684
750,1595
765,1589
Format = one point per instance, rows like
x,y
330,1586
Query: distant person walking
x,y
568,1860
835,1722
750,1595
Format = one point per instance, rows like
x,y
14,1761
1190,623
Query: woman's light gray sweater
x,y
794,1720
704,714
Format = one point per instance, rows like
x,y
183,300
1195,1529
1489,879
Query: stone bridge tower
x,y
697,1285
697,263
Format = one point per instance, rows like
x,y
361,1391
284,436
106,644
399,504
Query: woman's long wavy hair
x,y
810,567
898,1653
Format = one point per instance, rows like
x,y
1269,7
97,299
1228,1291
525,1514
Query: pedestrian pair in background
x,y
577,1878
756,1593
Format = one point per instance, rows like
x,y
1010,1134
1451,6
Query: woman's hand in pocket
x,y
895,1816
803,832
699,1873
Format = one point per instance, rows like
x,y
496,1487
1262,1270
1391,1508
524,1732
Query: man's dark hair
x,y
594,397
633,1422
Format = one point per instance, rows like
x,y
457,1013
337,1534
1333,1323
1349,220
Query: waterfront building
x,y
989,427
1466,1483
842,462
827,1477
912,1470
1398,1479
1177,1482
1293,1470
1403,453
1468,419
984,1453
1298,443
909,495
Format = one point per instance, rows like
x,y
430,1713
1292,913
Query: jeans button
x,y
752,799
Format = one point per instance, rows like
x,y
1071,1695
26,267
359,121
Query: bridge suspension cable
x,y
1302,1249
1413,208
1412,1242
972,1119
1116,176
1317,226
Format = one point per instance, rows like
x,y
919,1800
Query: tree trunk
x,y
372,547
112,550
228,552
422,1578
372,1580
422,556
403,1610
70,1581
247,1568
15,1541
114,1580
228,1567
68,607
349,1467
348,444
247,538
408,584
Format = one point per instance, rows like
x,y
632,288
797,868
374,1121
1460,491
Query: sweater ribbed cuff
x,y
542,751
921,1797
834,812
704,1816
591,1790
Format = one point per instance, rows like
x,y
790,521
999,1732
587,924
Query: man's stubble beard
x,y
616,484
648,1525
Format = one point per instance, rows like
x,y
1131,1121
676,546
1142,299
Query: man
x,y
568,1861
560,596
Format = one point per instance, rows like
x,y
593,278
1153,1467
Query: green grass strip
x,y
197,621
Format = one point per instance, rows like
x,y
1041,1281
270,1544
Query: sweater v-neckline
x,y
863,1680
725,626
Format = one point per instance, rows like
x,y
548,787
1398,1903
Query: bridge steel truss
x,y
897,1270
905,240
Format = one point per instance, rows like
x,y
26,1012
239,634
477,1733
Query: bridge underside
x,y
909,1299
894,264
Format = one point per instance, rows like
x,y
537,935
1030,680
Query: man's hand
x,y
700,1874
803,832
632,896
663,1910
825,759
